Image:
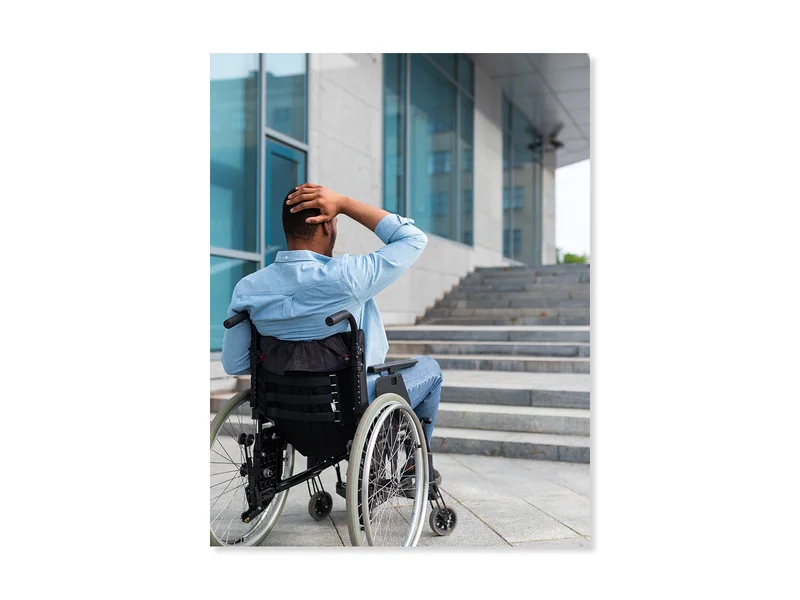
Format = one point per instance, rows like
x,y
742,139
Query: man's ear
x,y
327,228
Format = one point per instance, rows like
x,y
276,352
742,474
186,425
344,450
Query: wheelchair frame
x,y
262,464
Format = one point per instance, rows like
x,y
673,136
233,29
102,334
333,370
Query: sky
x,y
573,216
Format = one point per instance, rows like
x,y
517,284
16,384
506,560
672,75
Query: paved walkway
x,y
500,502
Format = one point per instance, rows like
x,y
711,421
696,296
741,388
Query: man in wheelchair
x,y
310,313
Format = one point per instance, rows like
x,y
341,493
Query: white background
x,y
105,298
573,208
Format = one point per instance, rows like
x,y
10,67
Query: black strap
x,y
298,381
300,416
298,399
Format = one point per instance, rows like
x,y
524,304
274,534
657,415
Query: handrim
x,y
264,523
364,442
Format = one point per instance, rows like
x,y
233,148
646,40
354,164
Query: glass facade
x,y
522,184
429,111
259,130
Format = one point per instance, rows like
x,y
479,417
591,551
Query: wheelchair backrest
x,y
309,389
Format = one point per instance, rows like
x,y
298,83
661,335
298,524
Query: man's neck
x,y
304,245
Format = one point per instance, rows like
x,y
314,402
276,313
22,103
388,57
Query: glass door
x,y
285,169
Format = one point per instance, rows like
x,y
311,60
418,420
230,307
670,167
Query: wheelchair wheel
x,y
443,521
228,499
320,505
388,458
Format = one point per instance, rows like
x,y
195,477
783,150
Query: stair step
x,y
542,290
509,320
558,267
557,390
544,270
511,444
526,277
420,347
527,311
220,399
525,419
553,303
490,333
538,364
580,291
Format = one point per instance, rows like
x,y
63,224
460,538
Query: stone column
x,y
548,208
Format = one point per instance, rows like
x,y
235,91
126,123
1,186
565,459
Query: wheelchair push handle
x,y
236,319
336,317
340,316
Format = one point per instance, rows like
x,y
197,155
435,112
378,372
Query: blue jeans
x,y
424,384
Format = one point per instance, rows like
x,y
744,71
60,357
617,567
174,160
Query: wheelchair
x,y
311,397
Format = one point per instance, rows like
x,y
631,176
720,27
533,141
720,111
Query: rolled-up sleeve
x,y
369,274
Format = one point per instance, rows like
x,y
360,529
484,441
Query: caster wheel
x,y
443,521
320,505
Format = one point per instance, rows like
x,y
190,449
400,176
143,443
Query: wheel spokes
x,y
385,523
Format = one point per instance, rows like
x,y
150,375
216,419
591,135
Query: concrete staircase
x,y
513,344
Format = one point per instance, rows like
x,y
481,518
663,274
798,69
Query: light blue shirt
x,y
290,298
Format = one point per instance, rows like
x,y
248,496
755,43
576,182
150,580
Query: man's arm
x,y
236,343
371,273
330,204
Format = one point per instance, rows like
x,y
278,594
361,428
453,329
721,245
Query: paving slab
x,y
564,505
302,530
499,501
564,544
574,476
518,521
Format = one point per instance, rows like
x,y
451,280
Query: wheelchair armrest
x,y
392,366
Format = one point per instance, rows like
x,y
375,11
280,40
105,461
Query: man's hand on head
x,y
310,195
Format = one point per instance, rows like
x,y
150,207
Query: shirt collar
x,y
299,256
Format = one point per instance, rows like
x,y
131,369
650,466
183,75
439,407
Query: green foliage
x,y
575,258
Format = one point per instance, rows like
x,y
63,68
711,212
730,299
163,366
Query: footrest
x,y
341,489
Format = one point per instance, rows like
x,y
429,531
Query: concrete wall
x,y
345,154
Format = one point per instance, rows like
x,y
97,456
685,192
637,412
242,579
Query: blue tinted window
x,y
446,62
514,201
466,76
285,169
439,162
507,187
225,274
466,138
432,99
435,170
521,181
286,94
234,151
394,132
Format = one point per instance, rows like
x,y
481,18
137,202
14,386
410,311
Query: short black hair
x,y
294,224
